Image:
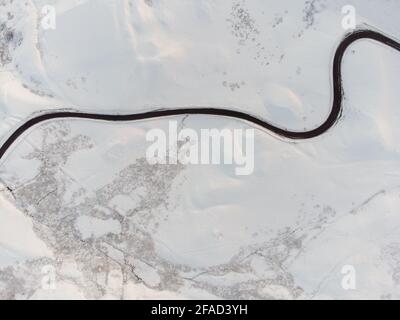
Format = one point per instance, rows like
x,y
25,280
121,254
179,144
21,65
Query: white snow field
x,y
84,216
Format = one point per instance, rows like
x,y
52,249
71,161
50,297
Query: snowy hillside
x,y
83,215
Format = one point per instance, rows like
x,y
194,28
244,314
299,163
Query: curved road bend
x,y
334,114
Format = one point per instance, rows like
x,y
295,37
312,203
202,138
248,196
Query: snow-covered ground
x,y
84,215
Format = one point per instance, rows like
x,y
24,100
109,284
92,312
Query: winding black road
x,y
334,114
